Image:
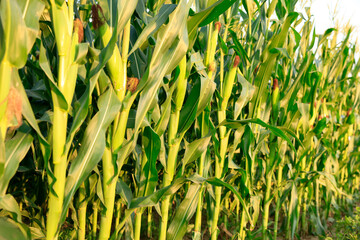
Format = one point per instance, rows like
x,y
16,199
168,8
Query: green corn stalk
x,y
117,66
82,212
149,221
109,194
117,211
139,212
209,61
62,16
95,207
174,144
267,197
271,161
219,163
210,54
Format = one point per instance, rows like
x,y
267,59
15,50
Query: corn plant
x,y
173,120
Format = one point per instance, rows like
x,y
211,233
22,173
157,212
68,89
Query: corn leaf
x,y
92,146
184,213
15,149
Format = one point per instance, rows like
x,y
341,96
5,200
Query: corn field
x,y
174,119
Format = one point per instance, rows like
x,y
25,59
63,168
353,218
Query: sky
x,y
345,11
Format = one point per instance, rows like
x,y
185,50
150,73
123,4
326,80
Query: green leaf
x,y
208,85
81,52
327,34
31,12
59,2
205,17
26,107
293,210
124,190
189,110
14,33
248,7
149,173
154,25
194,150
238,47
137,58
155,197
123,11
45,66
15,149
8,203
92,146
267,67
276,131
223,46
162,123
215,11
81,110
247,92
217,182
12,230
170,48
281,51
184,213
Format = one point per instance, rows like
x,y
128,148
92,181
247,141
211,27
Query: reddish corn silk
x,y
217,26
275,84
78,27
131,84
236,61
211,67
98,16
256,69
348,112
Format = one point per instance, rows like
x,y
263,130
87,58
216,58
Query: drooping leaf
x,y
205,17
14,33
12,230
154,25
125,192
44,64
149,176
92,145
278,132
26,107
8,203
167,54
194,150
217,182
15,149
81,111
31,12
189,110
184,213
